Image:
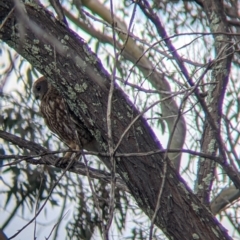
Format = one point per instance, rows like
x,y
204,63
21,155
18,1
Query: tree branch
x,y
211,138
132,52
47,157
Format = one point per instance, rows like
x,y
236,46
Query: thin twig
x,y
6,18
45,202
57,224
146,9
165,159
109,129
36,207
63,206
138,116
95,198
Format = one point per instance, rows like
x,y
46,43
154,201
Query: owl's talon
x,y
62,161
65,160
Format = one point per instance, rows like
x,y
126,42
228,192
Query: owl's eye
x,y
38,88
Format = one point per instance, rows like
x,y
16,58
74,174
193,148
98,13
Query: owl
x,y
59,120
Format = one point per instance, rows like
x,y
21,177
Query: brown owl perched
x,y
58,119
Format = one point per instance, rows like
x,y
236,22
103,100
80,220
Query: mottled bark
x,y
67,62
211,139
132,52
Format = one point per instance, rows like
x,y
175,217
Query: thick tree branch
x,y
132,52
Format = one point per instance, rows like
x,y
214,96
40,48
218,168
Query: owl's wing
x,y
56,116
84,135
62,121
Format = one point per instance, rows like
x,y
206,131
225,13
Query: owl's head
x,y
40,88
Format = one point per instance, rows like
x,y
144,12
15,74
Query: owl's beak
x,y
36,94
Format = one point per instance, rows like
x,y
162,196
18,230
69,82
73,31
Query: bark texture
x,y
211,138
65,60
